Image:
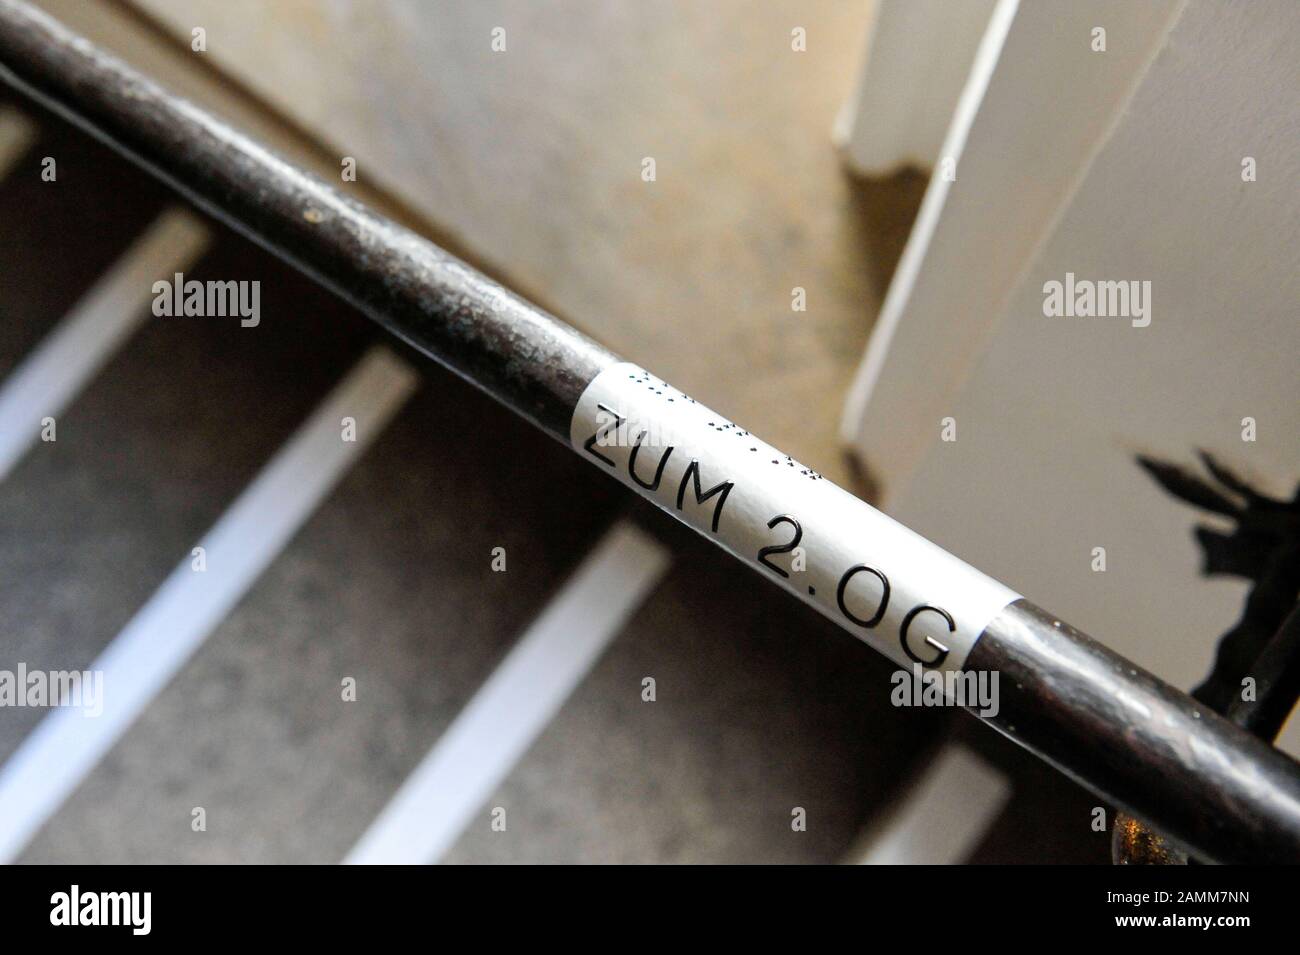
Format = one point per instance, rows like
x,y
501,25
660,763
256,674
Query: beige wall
x,y
1056,408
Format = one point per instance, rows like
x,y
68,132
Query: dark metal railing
x,y
1207,784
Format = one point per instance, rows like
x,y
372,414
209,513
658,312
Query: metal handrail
x,y
1207,784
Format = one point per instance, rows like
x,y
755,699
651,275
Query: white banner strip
x,y
48,379
190,604
495,729
885,584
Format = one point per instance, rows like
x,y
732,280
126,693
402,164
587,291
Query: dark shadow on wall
x,y
885,209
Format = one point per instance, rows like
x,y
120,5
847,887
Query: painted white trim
x,y
908,271
56,371
189,605
1043,475
490,735
943,817
919,55
1038,107
17,134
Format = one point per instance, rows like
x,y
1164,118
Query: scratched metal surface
x,y
771,706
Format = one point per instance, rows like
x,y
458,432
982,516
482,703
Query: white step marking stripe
x,y
943,817
50,377
189,605
17,133
470,760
